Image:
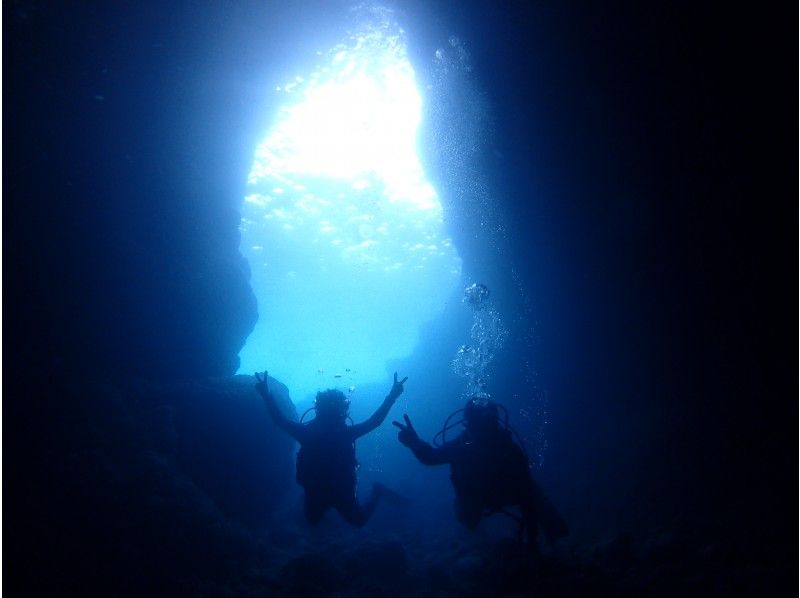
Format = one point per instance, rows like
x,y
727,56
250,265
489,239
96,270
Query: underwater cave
x,y
565,211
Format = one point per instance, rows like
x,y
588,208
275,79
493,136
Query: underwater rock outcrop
x,y
126,252
218,433
144,484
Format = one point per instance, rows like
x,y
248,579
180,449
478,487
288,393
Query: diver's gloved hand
x,y
262,385
407,434
397,388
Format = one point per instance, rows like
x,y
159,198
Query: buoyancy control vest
x,y
327,459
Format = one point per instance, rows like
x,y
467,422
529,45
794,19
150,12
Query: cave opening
x,y
344,233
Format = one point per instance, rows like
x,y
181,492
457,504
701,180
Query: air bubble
x,y
487,336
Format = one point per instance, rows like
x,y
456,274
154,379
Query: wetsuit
x,y
326,463
489,474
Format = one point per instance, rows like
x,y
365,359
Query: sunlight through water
x,y
344,234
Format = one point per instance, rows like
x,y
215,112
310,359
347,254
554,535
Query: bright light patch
x,y
344,234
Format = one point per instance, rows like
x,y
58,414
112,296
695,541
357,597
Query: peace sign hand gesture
x,y
397,387
407,434
262,386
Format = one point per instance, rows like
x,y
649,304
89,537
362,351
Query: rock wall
x,y
129,485
132,131
219,435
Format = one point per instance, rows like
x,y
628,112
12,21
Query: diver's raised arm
x,y
424,452
376,419
294,429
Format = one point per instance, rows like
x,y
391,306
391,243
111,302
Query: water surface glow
x,y
344,234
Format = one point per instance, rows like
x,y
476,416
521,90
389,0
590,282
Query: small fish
x,y
320,371
347,369
337,375
351,388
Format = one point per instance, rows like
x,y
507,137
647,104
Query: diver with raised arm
x,y
489,471
326,461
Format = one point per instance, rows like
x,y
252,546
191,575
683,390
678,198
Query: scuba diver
x,y
326,461
489,471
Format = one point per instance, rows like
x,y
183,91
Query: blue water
x,y
346,237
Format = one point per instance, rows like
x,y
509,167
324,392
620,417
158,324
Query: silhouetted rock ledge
x,y
141,484
221,437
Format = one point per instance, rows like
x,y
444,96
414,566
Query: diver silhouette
x,y
489,471
326,461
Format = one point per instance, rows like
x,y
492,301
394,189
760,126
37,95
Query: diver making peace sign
x,y
326,461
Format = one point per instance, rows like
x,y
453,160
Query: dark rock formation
x,y
125,293
221,437
140,485
124,198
